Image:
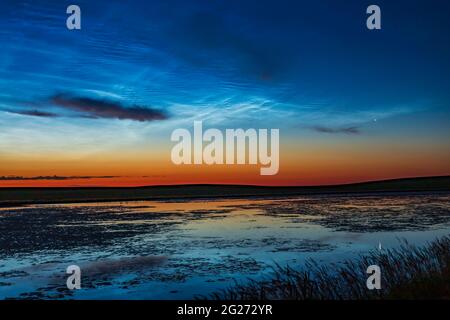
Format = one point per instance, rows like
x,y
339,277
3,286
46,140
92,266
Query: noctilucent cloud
x,y
96,106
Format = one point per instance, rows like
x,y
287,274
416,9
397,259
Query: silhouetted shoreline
x,y
24,196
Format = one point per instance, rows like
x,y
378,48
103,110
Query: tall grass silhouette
x,y
407,272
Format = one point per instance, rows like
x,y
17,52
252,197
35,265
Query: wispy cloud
x,y
21,178
34,113
344,130
96,108
201,31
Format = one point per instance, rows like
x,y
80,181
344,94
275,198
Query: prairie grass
x,y
407,272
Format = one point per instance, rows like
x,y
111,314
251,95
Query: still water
x,y
181,249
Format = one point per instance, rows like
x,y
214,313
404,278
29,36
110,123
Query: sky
x,y
97,106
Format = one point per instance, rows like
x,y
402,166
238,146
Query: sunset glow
x,y
96,106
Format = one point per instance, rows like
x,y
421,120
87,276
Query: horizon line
x,y
230,184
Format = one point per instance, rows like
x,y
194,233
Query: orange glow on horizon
x,y
318,164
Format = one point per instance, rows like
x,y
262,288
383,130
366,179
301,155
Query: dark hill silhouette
x,y
20,196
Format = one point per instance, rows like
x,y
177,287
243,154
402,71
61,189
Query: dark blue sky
x,y
138,69
290,52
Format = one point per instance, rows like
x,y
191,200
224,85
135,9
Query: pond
x,y
182,249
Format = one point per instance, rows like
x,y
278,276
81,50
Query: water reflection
x,y
181,248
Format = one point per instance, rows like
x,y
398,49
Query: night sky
x,y
97,106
